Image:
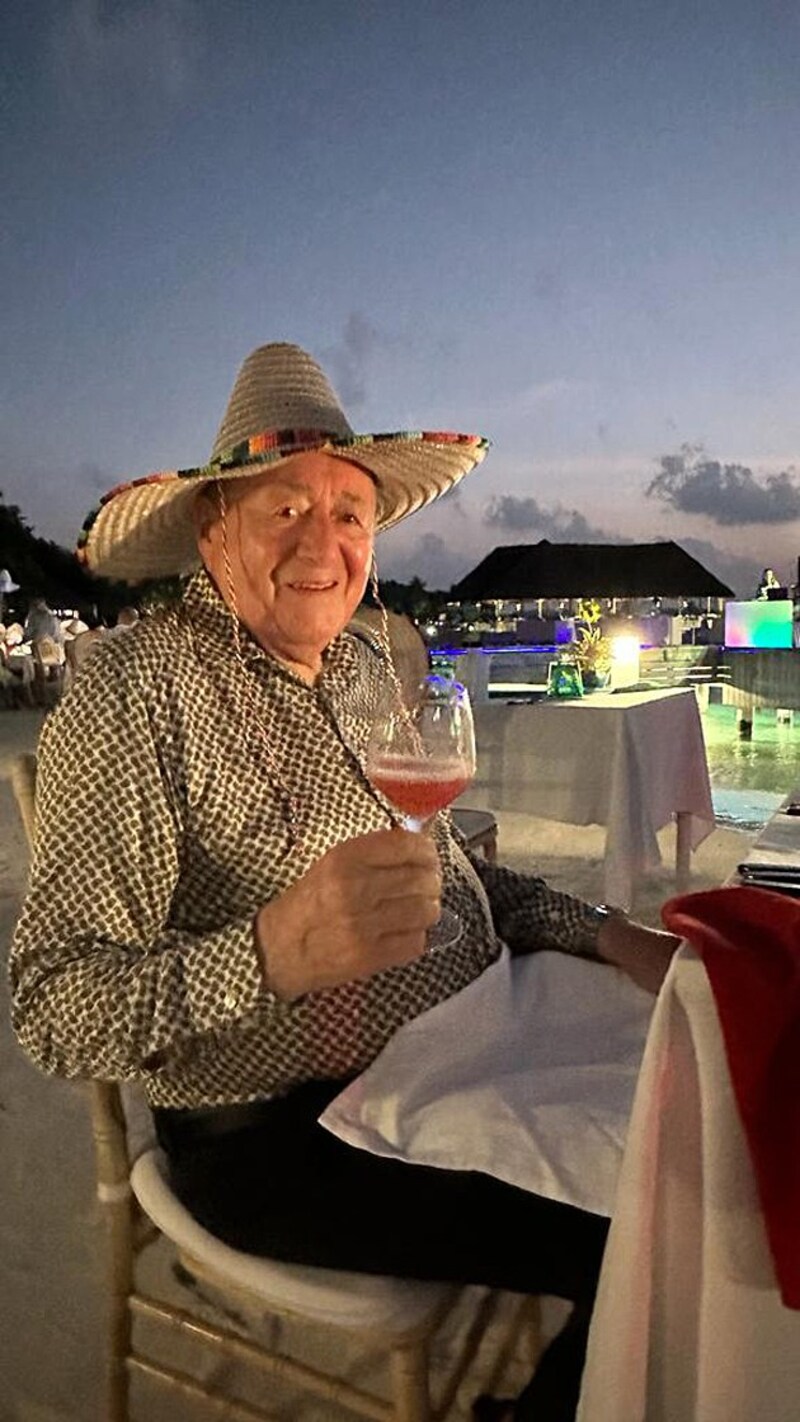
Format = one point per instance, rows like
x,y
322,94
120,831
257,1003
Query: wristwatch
x,y
598,915
600,912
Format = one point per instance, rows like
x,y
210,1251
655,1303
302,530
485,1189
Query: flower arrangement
x,y
591,648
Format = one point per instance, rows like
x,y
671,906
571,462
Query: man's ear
x,y
204,512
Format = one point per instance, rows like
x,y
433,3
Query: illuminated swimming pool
x,y
749,779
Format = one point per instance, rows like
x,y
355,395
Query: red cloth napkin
x,y
749,940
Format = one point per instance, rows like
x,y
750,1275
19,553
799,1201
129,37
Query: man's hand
x,y
364,906
643,953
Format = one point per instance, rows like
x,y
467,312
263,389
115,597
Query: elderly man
x,y
244,923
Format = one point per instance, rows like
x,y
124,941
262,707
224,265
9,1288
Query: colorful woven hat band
x,y
282,405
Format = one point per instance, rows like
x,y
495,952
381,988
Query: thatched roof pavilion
x,y
530,571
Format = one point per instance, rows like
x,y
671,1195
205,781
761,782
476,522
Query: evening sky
x,y
572,226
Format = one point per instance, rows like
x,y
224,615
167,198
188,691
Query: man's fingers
x,y
387,848
415,913
384,886
367,925
363,907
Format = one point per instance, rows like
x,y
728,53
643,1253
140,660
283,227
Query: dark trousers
x,y
271,1181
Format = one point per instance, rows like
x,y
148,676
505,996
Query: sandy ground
x,y
51,1246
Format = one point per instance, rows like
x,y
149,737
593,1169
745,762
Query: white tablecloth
x,y
630,761
689,1325
528,1074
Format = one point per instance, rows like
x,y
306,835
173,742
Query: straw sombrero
x,y
282,404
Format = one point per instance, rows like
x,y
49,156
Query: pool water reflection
x,y
749,779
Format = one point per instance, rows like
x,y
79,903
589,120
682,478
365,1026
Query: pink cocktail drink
x,y
420,787
420,757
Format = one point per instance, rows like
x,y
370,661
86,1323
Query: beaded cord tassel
x,y
290,801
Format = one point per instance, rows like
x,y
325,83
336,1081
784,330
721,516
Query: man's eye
x,y
287,511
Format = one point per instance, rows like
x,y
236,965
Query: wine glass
x,y
421,758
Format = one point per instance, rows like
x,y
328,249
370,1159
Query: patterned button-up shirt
x,y
166,779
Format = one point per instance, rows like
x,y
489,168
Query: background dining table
x,y
631,761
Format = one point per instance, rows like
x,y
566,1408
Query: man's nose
x,y
317,534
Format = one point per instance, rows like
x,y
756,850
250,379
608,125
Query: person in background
x,y
16,669
15,634
246,921
13,687
7,586
767,580
45,633
42,622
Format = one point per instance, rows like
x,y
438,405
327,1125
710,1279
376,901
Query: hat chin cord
x,y
291,803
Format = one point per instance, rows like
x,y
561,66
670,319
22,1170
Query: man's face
x,y
300,542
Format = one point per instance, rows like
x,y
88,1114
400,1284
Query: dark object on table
x,y
779,878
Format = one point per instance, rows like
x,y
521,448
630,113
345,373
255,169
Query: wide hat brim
x,y
143,529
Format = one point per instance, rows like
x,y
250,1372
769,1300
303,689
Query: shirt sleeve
x,y
529,915
102,985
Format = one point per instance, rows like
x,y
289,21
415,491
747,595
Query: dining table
x,y
678,1117
697,1317
631,761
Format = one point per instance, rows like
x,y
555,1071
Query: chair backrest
x,y
47,651
406,646
77,649
108,1114
23,780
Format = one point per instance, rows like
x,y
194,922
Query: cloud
x,y
145,48
741,574
729,494
430,558
561,525
350,359
452,500
526,515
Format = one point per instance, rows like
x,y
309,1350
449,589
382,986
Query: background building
x,y
526,589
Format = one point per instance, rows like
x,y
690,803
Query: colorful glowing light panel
x,y
758,624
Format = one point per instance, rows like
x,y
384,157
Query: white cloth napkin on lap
x,y
528,1074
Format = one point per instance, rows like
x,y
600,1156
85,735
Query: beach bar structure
x,y
529,590
544,574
